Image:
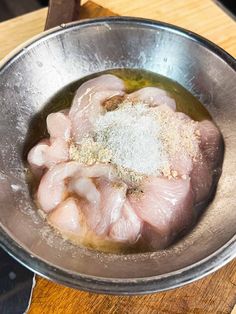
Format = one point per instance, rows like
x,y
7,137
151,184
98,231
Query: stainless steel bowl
x,y
35,72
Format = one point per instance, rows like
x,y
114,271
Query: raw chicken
x,y
166,205
95,202
84,187
106,171
66,178
207,163
201,180
36,156
112,198
68,218
87,104
211,143
127,228
48,153
59,125
52,188
103,203
152,96
182,164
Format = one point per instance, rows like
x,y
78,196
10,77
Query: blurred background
x,y
13,8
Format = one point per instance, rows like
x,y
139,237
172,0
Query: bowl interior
x,y
37,72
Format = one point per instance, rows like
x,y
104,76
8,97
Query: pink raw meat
x,y
87,103
201,180
127,228
211,143
68,218
52,188
182,163
59,125
164,204
47,153
112,198
203,168
152,96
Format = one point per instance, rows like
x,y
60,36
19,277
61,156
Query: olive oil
x,y
185,101
135,79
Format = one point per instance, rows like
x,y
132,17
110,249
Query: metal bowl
x,y
35,72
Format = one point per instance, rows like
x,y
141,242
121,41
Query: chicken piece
x,y
165,205
103,82
211,143
152,96
52,188
68,218
87,103
182,164
100,170
85,188
71,177
59,125
211,146
47,153
128,226
112,198
101,201
57,152
182,116
201,180
153,240
36,156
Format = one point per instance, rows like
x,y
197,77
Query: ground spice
x,y
139,141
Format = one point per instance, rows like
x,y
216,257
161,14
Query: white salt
x,y
131,133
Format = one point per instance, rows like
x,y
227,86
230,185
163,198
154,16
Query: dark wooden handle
x,y
62,11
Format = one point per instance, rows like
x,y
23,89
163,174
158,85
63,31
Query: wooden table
x,y
213,294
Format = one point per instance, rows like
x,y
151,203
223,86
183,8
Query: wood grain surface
x,y
217,292
213,294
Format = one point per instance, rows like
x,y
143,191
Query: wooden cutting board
x,y
215,293
201,16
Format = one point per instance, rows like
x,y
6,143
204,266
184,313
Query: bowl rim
x,y
130,286
220,52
